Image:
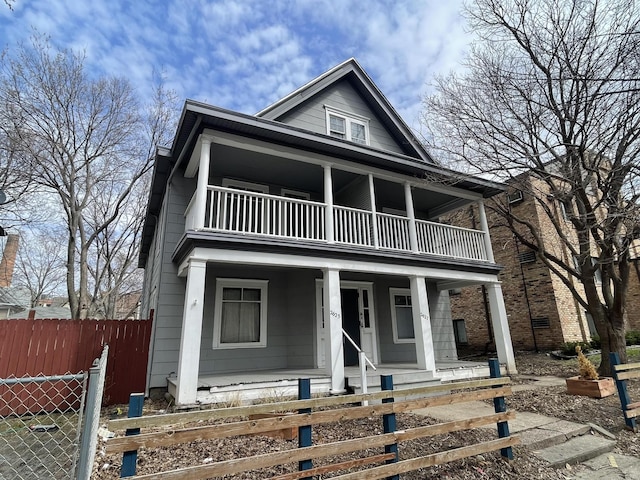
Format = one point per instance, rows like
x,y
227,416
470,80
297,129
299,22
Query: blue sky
x,y
245,54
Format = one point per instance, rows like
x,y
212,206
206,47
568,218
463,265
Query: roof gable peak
x,y
367,88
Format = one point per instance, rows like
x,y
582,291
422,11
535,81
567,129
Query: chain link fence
x,y
42,434
40,426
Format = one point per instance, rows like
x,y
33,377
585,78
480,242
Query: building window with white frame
x,y
402,315
240,313
347,126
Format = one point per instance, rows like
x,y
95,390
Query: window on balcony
x,y
347,126
240,313
401,315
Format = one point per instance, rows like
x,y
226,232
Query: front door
x,y
358,320
350,324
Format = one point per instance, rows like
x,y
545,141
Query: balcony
x,y
243,212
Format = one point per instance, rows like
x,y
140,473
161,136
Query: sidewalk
x,y
557,441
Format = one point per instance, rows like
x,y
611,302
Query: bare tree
x,y
550,102
114,253
39,267
85,142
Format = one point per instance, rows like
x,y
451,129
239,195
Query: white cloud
x,y
245,54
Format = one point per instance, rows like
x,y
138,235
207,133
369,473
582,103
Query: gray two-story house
x,y
303,241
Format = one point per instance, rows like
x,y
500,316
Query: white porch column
x,y
189,356
500,326
484,225
334,355
422,324
328,200
200,206
374,213
413,233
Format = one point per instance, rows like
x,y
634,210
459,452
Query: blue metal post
x,y
304,432
389,421
129,459
500,406
625,399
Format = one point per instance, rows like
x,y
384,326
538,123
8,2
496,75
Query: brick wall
x,y
8,260
541,310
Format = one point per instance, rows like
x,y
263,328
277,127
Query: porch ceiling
x,y
258,167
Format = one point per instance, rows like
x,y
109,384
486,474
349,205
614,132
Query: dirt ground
x,y
551,401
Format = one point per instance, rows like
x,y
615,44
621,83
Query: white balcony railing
x,y
258,213
232,210
457,242
393,232
352,226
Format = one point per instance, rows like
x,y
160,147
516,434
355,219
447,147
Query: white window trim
x,y
232,183
349,118
217,311
296,194
392,293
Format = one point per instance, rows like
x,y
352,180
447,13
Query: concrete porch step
x,y
400,381
576,450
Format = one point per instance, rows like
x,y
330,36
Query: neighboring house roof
x,y
44,312
197,116
13,297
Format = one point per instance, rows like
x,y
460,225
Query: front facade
x,y
281,240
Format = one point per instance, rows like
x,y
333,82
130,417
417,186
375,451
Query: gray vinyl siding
x,y
169,287
356,195
390,352
290,322
311,114
301,297
441,325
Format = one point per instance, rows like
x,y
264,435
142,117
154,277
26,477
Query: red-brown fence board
x,y
29,347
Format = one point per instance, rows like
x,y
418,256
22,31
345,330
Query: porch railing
x,y
258,213
232,210
353,226
446,240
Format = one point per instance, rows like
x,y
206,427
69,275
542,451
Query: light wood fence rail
x,y
175,428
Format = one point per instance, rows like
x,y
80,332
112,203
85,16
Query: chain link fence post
x,y
92,415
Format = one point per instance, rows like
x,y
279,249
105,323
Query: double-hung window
x,y
240,313
402,316
347,126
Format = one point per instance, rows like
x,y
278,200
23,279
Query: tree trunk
x,y
613,340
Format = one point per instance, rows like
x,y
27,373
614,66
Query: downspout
x,y
526,296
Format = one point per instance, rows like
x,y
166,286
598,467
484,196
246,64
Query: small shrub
x,y
632,337
586,368
569,348
595,342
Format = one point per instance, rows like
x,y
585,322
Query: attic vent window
x,y
541,322
347,126
527,257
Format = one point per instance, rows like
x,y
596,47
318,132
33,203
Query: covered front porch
x,y
279,384
308,316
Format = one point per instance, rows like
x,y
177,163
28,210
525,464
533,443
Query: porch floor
x,y
445,371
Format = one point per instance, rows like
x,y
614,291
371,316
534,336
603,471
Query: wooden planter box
x,y
603,387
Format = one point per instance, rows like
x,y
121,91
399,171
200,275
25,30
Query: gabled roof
x,y
351,70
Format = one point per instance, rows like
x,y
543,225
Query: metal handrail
x,y
355,345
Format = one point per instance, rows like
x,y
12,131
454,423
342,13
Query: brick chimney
x,y
8,260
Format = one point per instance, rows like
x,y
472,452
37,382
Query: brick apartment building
x,y
541,310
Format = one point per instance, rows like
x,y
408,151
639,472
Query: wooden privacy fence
x,y
385,462
55,346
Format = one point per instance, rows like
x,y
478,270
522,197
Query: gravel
x,y
551,401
